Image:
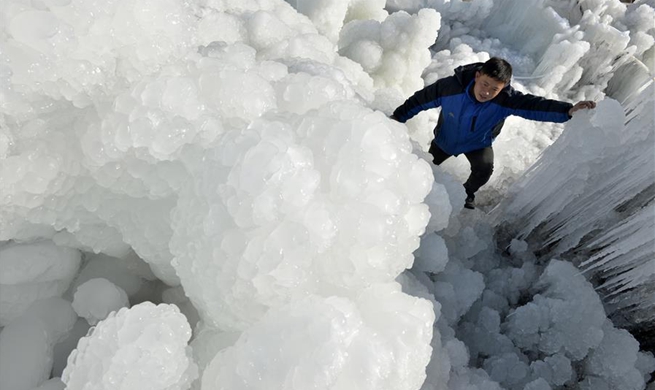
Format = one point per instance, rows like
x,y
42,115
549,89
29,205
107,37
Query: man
x,y
474,104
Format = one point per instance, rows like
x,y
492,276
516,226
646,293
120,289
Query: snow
x,y
233,160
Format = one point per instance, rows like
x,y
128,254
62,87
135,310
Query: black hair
x,y
497,69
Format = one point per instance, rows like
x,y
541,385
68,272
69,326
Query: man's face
x,y
486,88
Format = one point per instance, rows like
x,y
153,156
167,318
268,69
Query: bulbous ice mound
x,y
290,200
144,347
567,316
617,362
392,51
332,343
125,94
326,203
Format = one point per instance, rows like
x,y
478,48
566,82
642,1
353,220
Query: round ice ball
x,y
98,297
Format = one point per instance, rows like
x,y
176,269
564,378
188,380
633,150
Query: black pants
x,y
482,165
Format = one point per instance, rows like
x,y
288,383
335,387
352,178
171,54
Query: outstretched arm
x,y
542,109
426,98
537,108
586,104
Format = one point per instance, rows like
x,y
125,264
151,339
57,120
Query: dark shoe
x,y
469,203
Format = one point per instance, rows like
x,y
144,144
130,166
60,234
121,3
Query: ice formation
x,y
566,318
392,51
525,324
591,210
96,298
229,158
296,221
329,16
144,347
332,343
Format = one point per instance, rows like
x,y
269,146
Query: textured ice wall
x,y
590,198
228,145
318,206
59,158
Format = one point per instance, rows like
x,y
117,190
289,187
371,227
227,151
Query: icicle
x,y
591,199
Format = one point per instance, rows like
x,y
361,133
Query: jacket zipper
x,y
473,123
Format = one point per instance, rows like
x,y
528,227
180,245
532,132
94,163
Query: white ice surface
x,y
143,347
332,343
234,146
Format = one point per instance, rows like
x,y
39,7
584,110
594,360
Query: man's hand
x,y
587,104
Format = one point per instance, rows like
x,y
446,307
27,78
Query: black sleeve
x,y
426,98
537,108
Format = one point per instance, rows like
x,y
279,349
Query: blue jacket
x,y
464,123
